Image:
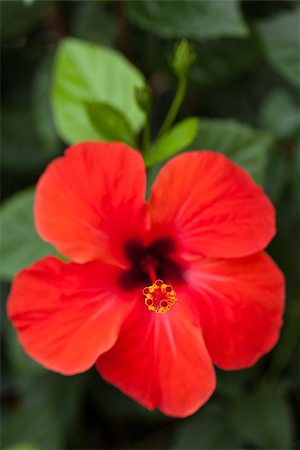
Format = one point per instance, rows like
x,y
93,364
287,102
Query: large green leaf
x,y
281,40
174,140
243,144
110,122
21,245
85,72
195,19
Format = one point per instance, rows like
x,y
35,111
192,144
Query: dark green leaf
x,y
22,447
222,60
173,141
18,18
19,362
85,72
280,114
296,175
21,245
263,419
47,406
194,19
111,123
276,175
94,21
42,114
281,41
21,148
243,144
208,429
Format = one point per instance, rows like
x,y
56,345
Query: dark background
x,y
239,78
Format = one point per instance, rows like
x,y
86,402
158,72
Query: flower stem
x,y
174,108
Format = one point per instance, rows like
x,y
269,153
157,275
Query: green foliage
x,y
18,18
41,109
280,38
243,144
296,175
281,114
262,419
220,61
194,19
21,246
85,72
47,406
23,149
210,428
244,86
174,140
110,123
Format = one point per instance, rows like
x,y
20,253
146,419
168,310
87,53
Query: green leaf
x,y
23,446
276,175
41,108
19,362
22,150
173,141
194,19
220,61
243,144
296,176
47,406
280,114
85,72
110,122
281,41
263,419
95,22
21,245
208,429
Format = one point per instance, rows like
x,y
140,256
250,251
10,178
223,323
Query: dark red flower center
x,y
149,263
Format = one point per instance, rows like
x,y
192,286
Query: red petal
x,y
212,206
66,315
240,302
161,361
91,200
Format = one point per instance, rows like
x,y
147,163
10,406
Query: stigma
x,y
159,297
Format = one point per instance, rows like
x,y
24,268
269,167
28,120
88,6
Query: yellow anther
x,y
159,297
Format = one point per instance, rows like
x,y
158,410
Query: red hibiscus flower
x,y
157,292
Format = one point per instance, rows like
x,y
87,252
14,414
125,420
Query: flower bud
x,y
143,98
184,57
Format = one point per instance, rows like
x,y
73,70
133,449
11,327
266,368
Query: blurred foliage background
x,y
61,83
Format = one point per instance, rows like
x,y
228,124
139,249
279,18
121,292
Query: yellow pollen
x,y
159,297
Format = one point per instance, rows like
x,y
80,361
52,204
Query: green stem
x,y
174,108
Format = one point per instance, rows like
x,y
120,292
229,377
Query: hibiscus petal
x,y
161,361
66,315
211,206
91,200
240,303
